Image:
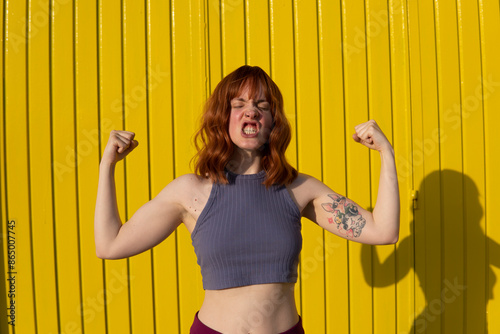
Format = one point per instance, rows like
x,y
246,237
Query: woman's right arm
x,y
149,225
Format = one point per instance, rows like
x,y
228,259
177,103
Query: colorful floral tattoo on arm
x,y
345,215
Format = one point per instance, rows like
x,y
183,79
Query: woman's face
x,y
251,121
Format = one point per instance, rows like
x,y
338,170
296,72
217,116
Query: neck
x,y
245,162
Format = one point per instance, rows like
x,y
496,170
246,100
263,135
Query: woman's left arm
x,y
344,217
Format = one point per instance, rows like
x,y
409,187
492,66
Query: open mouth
x,y
250,128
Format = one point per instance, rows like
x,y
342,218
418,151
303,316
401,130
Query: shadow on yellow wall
x,y
440,288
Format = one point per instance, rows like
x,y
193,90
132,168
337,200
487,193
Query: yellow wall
x,y
428,72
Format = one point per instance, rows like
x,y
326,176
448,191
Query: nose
x,y
252,113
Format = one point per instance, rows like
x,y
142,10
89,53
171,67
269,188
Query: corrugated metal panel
x,y
65,191
114,275
17,181
426,71
189,77
489,19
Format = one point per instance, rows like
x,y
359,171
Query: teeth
x,y
249,131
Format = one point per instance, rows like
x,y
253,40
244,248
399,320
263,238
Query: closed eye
x,y
263,105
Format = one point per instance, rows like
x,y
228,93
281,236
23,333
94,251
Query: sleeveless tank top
x,y
247,234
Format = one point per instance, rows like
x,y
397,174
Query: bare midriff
x,y
256,309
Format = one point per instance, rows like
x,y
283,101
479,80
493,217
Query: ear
x,y
335,197
328,207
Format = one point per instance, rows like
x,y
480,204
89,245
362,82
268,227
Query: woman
x,y
243,208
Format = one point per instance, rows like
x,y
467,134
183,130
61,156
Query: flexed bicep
x,y
345,216
150,224
342,216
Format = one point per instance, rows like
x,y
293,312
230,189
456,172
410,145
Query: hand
x,y
120,144
370,135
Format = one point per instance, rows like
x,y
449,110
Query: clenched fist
x,y
370,135
120,144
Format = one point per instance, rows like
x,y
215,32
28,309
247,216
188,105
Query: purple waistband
x,y
199,327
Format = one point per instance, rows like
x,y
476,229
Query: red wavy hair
x,y
212,140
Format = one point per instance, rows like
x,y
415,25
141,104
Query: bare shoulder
x,y
306,184
189,179
304,189
304,180
191,194
187,186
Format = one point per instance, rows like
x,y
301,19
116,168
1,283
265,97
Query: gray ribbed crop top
x,y
247,234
